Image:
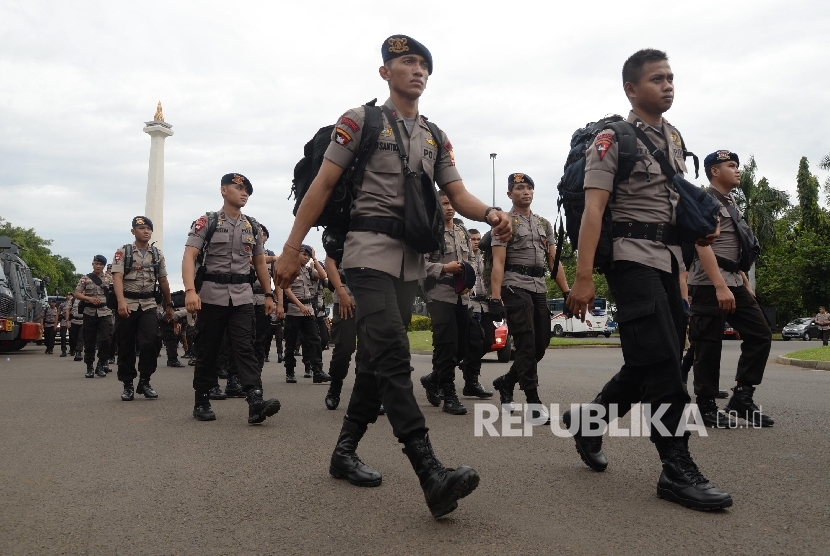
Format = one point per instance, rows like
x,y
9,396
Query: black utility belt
x,y
727,265
137,295
534,271
259,291
381,224
664,233
447,281
228,278
478,298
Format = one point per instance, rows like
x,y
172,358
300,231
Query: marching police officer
x,y
382,271
300,319
343,332
92,290
721,291
136,269
63,316
448,310
482,329
76,329
518,280
225,300
262,321
48,322
644,280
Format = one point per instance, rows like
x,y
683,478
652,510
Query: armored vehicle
x,y
20,299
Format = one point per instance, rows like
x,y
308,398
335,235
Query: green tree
x,y
568,261
760,203
36,253
808,189
825,165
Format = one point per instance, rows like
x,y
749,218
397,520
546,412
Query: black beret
x,y
513,179
464,280
99,259
142,221
720,156
306,248
230,179
400,45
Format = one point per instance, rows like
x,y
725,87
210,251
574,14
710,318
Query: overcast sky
x,y
246,84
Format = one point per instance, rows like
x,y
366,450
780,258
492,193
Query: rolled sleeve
x,y
118,262
345,137
198,232
162,266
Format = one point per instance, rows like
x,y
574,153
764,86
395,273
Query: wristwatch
x,y
487,212
270,294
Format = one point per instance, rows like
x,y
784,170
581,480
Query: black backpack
x,y
335,217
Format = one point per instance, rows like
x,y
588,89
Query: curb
x,y
804,363
617,346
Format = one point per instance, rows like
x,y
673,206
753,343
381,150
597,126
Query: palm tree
x,y
760,203
825,165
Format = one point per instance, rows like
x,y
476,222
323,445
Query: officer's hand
x,y
500,221
347,306
726,300
581,297
496,308
192,301
269,305
287,267
123,309
177,328
168,314
454,267
95,301
306,311
280,312
710,239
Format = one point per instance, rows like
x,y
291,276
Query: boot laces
x,y
689,467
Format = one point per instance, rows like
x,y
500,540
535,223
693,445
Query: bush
x,y
420,322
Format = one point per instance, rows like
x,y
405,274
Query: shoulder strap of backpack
x,y
211,228
372,126
627,151
688,153
658,154
95,280
156,261
128,258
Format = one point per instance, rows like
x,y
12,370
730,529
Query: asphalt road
x,y
82,472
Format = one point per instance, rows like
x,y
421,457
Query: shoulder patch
x,y
341,137
118,256
200,223
350,123
603,143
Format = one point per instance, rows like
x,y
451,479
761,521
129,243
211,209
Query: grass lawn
x,y
421,340
813,354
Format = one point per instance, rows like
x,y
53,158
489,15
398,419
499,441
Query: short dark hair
x,y
632,69
442,193
474,231
708,170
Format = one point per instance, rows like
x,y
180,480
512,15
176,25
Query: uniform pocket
x,y
383,172
643,341
369,306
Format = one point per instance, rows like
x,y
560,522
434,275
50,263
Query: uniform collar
x,y
637,121
515,212
421,120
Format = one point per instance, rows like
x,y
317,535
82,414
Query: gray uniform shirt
x,y
381,192
528,247
646,196
457,247
50,316
142,278
728,246
231,248
89,288
303,288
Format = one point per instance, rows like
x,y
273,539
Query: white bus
x,y
595,323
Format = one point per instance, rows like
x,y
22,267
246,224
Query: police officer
x,y
518,280
482,329
823,323
76,328
91,289
382,271
300,319
644,281
225,300
320,314
169,338
448,310
262,322
136,269
721,291
63,318
343,332
48,322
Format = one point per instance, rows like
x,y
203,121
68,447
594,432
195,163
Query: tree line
x,y
43,263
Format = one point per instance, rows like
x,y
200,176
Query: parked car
x,y
730,333
804,328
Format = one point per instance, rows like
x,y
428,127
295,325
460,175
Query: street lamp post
x,y
493,158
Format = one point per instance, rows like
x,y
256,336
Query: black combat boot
x,y
743,404
712,416
505,389
202,410
452,404
78,356
589,447
307,373
145,389
344,461
216,393
174,363
63,353
442,486
535,412
100,370
722,394
290,377
333,395
320,376
90,372
681,481
222,372
474,389
192,363
280,358
430,384
129,393
234,388
259,409
267,359
111,361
